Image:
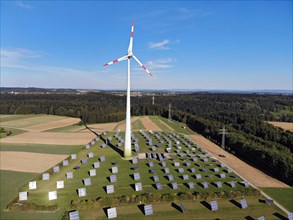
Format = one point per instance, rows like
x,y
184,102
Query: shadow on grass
x,y
280,216
206,204
105,210
174,205
234,202
141,208
249,218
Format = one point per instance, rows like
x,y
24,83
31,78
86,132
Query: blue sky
x,y
240,45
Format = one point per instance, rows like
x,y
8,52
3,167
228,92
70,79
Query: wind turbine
x,y
128,56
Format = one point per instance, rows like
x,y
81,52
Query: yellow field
x,y
284,125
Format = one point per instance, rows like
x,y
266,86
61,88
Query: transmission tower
x,y
223,132
153,100
169,117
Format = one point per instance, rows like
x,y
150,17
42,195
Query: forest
x,y
250,138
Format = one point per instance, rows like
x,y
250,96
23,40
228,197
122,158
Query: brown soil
x,y
149,125
28,162
51,138
253,175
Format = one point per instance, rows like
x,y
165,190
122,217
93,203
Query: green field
x,y
137,125
40,148
28,120
124,185
282,195
14,131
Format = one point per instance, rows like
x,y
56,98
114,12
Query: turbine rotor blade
x,y
137,60
131,38
116,61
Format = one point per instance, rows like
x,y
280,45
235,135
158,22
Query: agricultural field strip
x,y
166,125
25,122
50,138
284,125
52,125
28,162
149,125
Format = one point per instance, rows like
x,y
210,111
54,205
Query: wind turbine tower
x,y
128,56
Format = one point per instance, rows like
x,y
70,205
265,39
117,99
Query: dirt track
x,y
28,162
149,125
51,138
250,173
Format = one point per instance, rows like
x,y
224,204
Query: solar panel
x,y
112,213
73,156
156,179
163,164
52,195
198,176
223,165
214,205
185,177
204,169
113,179
92,172
73,215
93,142
32,185
177,164
181,170
188,164
110,189
90,155
151,164
194,159
97,139
148,209
114,169
136,176
216,169
60,184
205,185
96,165
182,208
110,138
232,184
168,149
119,144
261,218
154,148
290,216
219,184
229,170
104,145
192,170
81,192
191,185
136,148
174,185
243,204
138,187
154,155
69,175
205,159
83,161
222,175
102,158
46,176
170,177
23,196
56,169
134,160
245,183
87,146
159,186
87,181
65,163
166,170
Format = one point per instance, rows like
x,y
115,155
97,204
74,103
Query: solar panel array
x,y
113,178
92,172
56,169
96,165
73,156
60,184
136,176
32,185
69,175
90,155
110,189
114,169
65,163
23,196
261,218
87,182
45,176
290,216
81,192
138,186
52,195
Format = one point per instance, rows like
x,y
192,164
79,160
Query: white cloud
x,y
12,56
160,64
21,4
163,45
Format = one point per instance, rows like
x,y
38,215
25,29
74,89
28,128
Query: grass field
x,y
40,148
5,118
14,131
125,181
282,195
